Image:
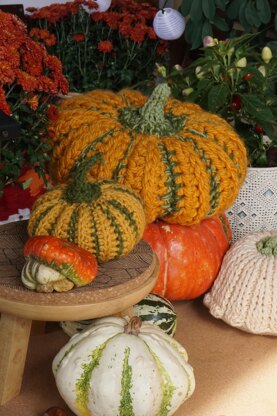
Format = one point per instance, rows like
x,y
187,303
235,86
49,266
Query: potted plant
x,y
114,49
235,80
30,79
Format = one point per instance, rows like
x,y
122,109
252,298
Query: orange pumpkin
x,y
190,256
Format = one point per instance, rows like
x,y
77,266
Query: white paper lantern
x,y
169,24
103,6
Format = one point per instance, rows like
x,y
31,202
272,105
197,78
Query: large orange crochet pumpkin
x,y
190,257
186,164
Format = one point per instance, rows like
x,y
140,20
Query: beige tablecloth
x,y
236,372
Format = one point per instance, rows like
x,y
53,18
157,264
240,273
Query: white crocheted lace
x,y
255,208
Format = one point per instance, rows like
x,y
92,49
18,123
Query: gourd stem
x,y
133,326
79,189
151,118
267,246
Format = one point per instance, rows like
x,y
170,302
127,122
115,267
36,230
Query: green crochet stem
x,y
79,189
151,118
267,246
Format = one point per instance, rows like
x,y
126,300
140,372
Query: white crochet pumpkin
x,y
122,367
245,292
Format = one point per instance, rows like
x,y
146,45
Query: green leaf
x,y
252,14
185,7
221,24
197,36
233,9
189,31
275,22
243,18
264,10
193,34
208,7
196,11
221,4
207,29
217,97
255,107
203,85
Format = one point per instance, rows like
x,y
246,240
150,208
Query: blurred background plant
x,y
113,49
235,80
30,79
207,17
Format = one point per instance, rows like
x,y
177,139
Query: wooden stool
x,y
119,285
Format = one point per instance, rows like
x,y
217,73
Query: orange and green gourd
x,y
103,217
185,163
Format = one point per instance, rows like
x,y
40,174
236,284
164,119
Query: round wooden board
x,y
118,285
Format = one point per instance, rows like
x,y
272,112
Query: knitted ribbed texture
x,y
245,292
103,217
188,166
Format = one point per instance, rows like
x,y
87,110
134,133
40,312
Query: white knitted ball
x,y
244,294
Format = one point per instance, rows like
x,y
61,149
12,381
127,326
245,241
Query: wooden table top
x,y
118,285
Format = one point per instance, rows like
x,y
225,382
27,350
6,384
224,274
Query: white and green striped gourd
x,y
153,308
123,367
159,311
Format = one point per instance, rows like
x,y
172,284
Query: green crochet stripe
x,y
123,161
214,182
128,192
72,226
94,235
224,148
225,226
40,218
117,230
91,146
125,212
171,198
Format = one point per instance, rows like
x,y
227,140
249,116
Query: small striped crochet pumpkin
x,y
102,217
186,164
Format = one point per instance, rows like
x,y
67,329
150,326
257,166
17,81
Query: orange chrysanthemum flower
x,y
78,37
105,46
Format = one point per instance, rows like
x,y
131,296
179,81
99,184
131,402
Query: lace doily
x,y
255,208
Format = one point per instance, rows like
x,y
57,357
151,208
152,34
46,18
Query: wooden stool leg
x,y
14,339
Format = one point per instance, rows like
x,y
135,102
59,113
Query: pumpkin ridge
x,y
33,229
171,197
95,235
167,385
214,183
83,153
183,354
83,383
230,154
127,191
72,227
123,210
125,407
64,356
122,162
117,230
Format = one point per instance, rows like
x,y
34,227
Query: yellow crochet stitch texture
x,y
103,217
186,164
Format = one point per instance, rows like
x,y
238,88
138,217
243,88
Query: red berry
x,y
236,103
248,76
258,129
